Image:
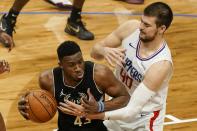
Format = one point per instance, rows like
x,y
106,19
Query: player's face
x,y
148,28
73,66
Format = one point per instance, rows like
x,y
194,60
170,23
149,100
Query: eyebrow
x,y
144,22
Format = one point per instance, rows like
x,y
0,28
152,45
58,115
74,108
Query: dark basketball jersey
x,y
74,94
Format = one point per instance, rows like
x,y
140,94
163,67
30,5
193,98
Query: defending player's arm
x,y
154,78
108,48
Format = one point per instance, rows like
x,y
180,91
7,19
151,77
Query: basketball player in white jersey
x,y
143,63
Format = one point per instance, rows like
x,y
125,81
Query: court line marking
x,y
177,121
180,121
52,25
172,118
99,13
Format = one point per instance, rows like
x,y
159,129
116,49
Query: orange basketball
x,y
42,106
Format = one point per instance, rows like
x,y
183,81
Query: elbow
x,y
127,99
97,52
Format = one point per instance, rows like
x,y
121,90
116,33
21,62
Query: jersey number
x,y
126,79
79,122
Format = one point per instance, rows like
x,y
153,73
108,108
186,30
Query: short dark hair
x,y
161,11
67,48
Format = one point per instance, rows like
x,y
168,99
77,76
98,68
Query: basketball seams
x,y
52,98
42,105
32,110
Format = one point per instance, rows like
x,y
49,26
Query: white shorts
x,y
143,122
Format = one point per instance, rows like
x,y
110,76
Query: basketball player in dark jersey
x,y
71,81
74,25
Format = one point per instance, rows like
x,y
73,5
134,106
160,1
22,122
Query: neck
x,y
69,81
152,45
149,48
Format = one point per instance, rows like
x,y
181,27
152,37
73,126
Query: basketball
x,y
42,106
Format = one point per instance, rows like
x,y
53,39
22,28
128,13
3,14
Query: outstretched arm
x,y
144,92
108,47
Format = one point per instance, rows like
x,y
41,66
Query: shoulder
x,y
46,80
101,70
48,75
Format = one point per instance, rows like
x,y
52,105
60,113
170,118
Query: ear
x,y
162,29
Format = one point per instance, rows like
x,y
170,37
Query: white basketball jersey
x,y
136,67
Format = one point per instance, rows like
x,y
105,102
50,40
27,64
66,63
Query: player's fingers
x,y
116,59
119,63
23,107
115,56
75,106
25,115
66,106
67,111
120,52
22,101
108,58
85,103
119,56
123,50
91,97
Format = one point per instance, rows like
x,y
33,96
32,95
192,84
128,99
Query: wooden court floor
x,y
40,29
